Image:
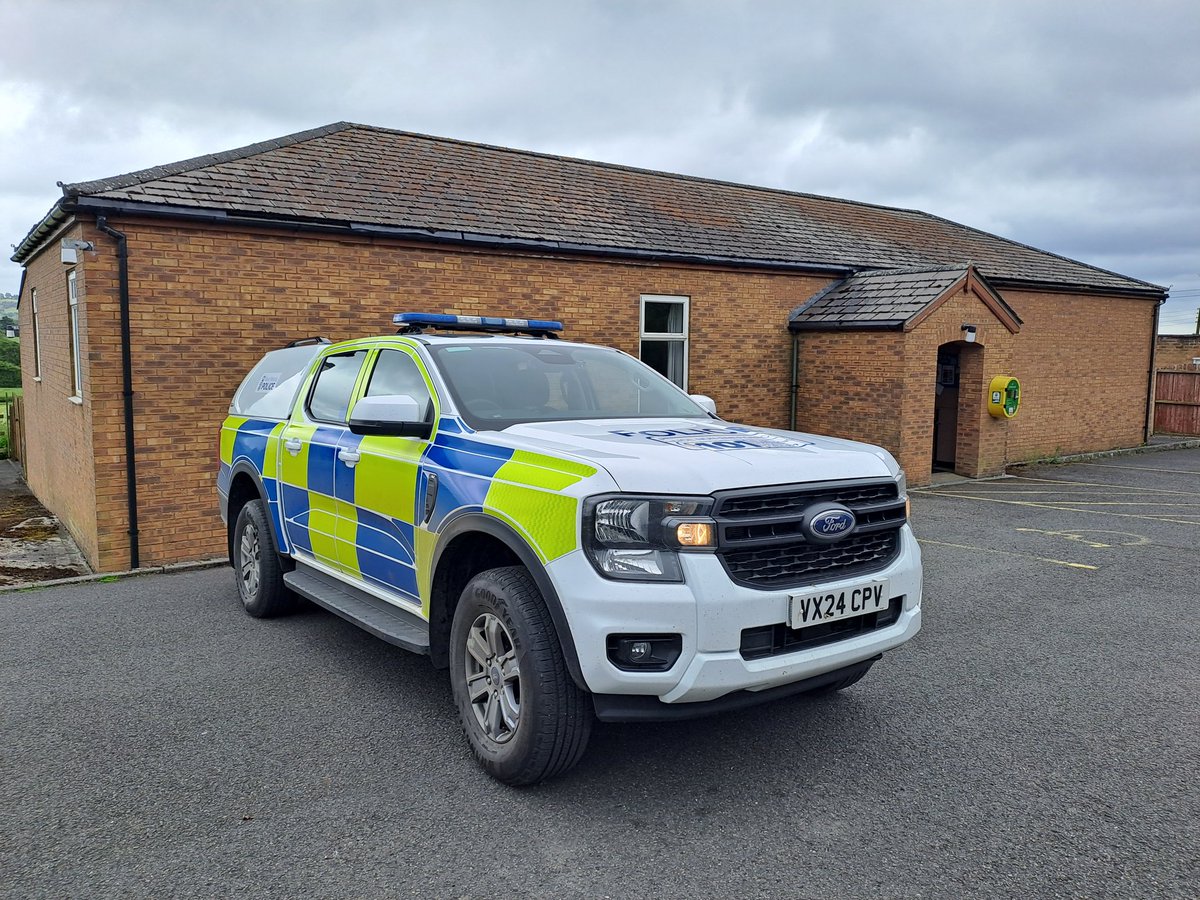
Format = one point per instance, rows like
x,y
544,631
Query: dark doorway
x,y
945,409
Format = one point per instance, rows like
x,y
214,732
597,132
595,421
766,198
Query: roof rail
x,y
316,339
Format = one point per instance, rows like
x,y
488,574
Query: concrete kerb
x,y
1183,443
116,576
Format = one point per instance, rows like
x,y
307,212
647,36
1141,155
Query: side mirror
x,y
397,415
705,403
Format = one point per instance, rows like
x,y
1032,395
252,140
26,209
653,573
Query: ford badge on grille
x,y
826,524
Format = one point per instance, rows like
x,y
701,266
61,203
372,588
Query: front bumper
x,y
710,612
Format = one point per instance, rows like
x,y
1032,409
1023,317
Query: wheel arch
x,y
245,485
485,542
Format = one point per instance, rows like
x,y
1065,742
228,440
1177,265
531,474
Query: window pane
x,y
37,347
666,358
331,394
73,334
76,374
396,373
663,318
269,391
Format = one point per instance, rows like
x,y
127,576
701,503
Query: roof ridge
x,y
910,270
129,179
176,168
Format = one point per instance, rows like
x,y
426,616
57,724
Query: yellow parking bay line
x,y
1140,469
1100,484
1056,562
1090,511
1063,496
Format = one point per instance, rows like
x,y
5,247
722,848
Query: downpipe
x,y
126,388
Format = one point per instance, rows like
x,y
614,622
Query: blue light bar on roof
x,y
487,323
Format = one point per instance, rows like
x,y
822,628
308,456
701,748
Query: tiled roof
x,y
356,174
876,299
892,298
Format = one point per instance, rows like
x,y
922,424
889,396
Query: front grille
x,y
781,501
790,565
762,544
773,640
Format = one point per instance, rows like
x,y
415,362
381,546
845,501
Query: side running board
x,y
382,619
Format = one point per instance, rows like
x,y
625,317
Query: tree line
x,y
10,362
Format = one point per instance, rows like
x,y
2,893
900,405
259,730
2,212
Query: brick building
x,y
839,317
1178,352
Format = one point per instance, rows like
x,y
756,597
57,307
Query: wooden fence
x,y
1177,403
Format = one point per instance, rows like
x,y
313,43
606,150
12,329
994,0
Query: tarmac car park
x,y
1037,738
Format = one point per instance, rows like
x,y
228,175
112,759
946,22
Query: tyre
x,y
256,565
523,715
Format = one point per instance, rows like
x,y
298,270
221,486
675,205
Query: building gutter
x,y
889,325
126,389
42,230
101,206
1149,292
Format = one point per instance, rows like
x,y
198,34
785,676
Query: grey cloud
x,y
1069,126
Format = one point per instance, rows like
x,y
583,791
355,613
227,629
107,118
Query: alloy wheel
x,y
493,678
249,559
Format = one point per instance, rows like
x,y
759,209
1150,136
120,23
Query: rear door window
x,y
270,389
330,398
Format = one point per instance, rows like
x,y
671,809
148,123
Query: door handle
x,y
292,445
349,457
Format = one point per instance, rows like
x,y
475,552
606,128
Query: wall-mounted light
x,y
969,333
71,248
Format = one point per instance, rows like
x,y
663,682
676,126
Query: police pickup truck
x,y
563,528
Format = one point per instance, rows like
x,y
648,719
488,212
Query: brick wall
x,y
851,385
1082,362
1084,365
878,386
1176,351
207,304
982,440
59,464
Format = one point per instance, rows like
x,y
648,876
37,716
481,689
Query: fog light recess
x,y
644,652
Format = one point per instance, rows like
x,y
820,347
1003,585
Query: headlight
x,y
635,538
902,493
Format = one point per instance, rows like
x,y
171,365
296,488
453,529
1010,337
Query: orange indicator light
x,y
694,534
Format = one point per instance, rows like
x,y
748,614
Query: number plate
x,y
839,603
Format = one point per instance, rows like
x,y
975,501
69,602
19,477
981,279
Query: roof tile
x,y
361,174
871,298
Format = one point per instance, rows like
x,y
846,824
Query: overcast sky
x,y
1072,126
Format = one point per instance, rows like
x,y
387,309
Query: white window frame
x,y
37,338
680,337
73,336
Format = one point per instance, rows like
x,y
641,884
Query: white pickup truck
x,y
561,526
